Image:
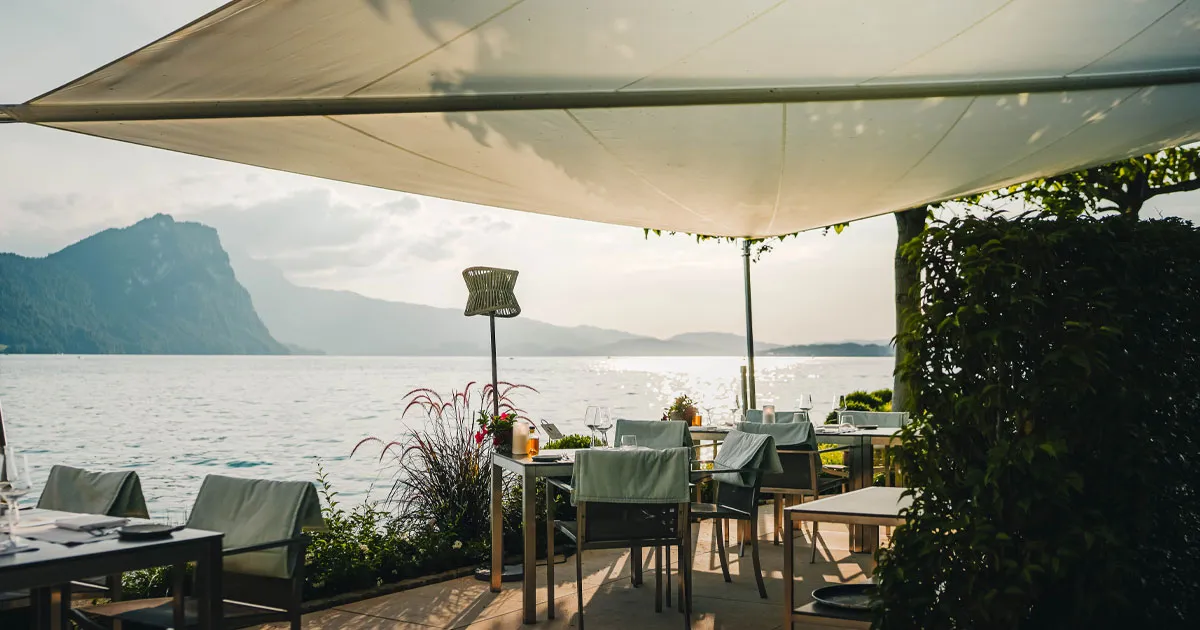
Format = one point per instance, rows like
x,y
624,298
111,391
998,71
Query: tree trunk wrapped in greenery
x,y
1055,372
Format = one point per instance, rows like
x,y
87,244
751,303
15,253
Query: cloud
x,y
316,233
49,203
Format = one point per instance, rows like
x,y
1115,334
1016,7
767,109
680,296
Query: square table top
x,y
868,506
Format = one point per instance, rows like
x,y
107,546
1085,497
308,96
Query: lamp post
x,y
490,292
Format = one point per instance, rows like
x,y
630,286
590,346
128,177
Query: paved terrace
x,y
609,600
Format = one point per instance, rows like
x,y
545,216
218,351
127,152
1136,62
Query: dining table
x,y
47,567
869,508
860,466
530,472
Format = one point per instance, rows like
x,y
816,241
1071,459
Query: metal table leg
x,y
529,532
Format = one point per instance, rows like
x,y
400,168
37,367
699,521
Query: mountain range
x,y
163,286
319,318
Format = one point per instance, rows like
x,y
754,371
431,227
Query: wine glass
x,y
604,423
15,484
589,419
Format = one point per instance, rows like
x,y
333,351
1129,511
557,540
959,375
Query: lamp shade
x,y
491,292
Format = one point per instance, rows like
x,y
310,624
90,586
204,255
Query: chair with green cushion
x,y
263,570
655,434
70,489
781,417
736,494
801,477
627,498
881,419
76,490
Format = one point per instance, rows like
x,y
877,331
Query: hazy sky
x,y
56,187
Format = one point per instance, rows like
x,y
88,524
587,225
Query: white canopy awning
x,y
736,118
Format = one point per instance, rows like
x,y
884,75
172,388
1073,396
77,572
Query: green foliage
x,y
1055,378
570,441
682,408
878,400
443,471
366,547
157,287
1122,187
148,583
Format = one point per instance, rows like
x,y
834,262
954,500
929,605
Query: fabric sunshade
x,y
747,118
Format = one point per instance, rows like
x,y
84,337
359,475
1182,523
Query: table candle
x,y
768,414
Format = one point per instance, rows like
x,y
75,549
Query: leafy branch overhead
x,y
759,246
1122,187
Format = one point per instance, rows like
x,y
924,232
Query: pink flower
x,y
479,438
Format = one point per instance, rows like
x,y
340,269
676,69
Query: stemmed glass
x,y
589,419
16,484
604,423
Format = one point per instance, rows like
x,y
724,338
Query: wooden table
x,y
869,508
860,464
51,565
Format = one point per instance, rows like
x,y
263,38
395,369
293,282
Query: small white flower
x,y
458,544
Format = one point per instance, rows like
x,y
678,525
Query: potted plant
x,y
682,410
499,428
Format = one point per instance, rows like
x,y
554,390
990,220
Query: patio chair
x,y
801,477
654,434
736,494
80,491
552,432
781,417
263,577
624,499
882,419
108,494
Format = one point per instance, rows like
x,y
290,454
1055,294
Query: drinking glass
x,y
17,483
806,402
604,423
589,419
533,446
628,441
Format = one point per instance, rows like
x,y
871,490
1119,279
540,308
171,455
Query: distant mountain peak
x,y
157,286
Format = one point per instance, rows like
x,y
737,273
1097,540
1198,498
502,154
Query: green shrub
x,y
1056,381
851,406
366,547
570,441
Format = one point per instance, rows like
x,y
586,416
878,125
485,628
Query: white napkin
x,y
85,522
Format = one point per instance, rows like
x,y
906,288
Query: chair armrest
x,y
561,484
844,447
287,542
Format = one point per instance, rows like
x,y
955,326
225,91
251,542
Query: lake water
x,y
177,419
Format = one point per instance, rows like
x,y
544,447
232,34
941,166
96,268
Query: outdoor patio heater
x,y
490,292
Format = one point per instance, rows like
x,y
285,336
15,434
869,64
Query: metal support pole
x,y
3,444
750,401
495,379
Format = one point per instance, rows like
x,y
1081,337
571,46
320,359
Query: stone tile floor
x,y
609,599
